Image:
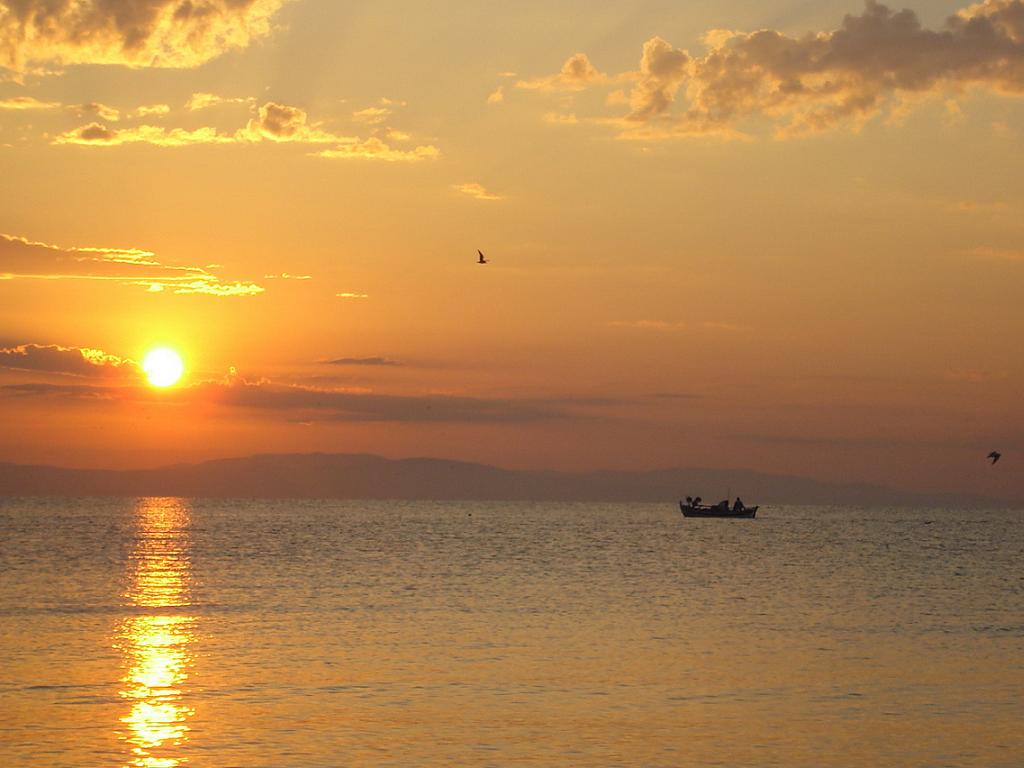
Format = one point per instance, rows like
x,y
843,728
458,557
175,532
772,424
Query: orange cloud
x,y
648,325
375,149
662,70
154,110
997,254
577,74
26,103
289,401
98,135
278,123
23,259
199,101
155,33
560,118
362,361
102,111
477,191
372,115
70,361
878,62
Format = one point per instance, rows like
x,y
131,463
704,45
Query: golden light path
x,y
163,367
155,643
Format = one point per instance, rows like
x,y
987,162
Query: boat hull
x,y
747,513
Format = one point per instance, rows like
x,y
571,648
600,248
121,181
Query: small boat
x,y
692,509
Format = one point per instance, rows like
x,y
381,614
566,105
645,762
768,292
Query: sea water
x,y
162,632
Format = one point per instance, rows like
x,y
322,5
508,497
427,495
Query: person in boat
x,y
723,505
697,501
737,505
689,501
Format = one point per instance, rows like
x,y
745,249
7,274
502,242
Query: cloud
x,y
287,276
152,110
993,208
70,361
372,115
207,286
102,111
1002,129
343,405
133,33
280,122
23,259
375,149
714,325
497,96
99,135
561,118
477,191
648,325
880,62
662,70
997,254
199,101
974,376
26,103
373,361
314,404
277,123
352,295
66,391
576,74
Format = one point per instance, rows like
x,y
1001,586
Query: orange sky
x,y
726,234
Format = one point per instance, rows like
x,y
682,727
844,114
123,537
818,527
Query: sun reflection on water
x,y
155,642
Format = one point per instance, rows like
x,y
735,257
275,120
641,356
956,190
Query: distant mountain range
x,y
363,476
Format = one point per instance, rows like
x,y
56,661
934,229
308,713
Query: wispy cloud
x,y
204,100
375,149
352,295
372,115
206,286
974,376
997,254
27,103
648,325
293,402
371,361
99,135
561,118
477,191
976,206
273,122
96,109
152,110
23,259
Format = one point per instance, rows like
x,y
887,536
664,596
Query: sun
x,y
163,367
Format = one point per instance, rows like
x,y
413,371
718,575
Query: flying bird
x,y
481,260
995,456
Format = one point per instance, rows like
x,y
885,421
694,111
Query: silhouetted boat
x,y
716,510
